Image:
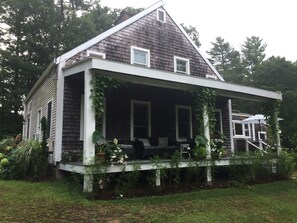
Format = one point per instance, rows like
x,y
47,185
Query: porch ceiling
x,y
153,77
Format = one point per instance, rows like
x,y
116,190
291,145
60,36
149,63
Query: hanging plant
x,y
271,112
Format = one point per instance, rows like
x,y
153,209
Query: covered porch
x,y
156,108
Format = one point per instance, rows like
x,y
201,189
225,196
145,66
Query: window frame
x,y
147,51
221,119
177,107
158,15
176,58
38,127
148,103
49,124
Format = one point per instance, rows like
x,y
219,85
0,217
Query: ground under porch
x,y
144,165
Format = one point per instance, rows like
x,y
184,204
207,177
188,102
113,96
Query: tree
x,y
252,54
278,74
193,33
226,60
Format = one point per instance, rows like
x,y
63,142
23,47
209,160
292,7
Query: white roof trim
x,y
198,50
109,32
145,75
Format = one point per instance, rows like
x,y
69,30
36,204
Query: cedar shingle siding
x,y
164,40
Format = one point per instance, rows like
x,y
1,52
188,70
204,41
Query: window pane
x,y
181,66
141,120
218,122
140,57
184,123
49,119
238,129
161,16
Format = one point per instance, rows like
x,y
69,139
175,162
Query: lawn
x,y
56,202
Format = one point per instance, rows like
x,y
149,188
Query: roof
x,y
124,24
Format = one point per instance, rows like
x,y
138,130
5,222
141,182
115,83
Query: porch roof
x,y
159,78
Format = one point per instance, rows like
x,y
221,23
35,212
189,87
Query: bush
x,y
22,159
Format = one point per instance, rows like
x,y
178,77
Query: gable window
x,y
183,122
49,119
140,119
181,65
140,56
161,16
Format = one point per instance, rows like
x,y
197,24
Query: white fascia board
x,y
109,32
149,76
197,49
148,73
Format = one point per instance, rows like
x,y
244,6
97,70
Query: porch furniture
x,y
185,150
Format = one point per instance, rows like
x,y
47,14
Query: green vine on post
x,y
204,98
99,86
271,112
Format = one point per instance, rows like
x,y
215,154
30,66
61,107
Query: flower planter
x,y
101,157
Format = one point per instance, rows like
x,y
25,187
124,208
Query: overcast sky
x,y
275,21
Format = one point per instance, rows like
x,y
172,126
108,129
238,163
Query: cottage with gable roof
x,y
158,67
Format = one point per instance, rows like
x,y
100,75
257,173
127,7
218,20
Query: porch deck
x,y
143,165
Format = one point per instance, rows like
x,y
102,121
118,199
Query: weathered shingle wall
x,y
164,40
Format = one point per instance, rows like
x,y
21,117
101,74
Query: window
x,y
28,126
240,130
161,16
219,121
183,122
38,129
49,119
140,119
140,56
181,65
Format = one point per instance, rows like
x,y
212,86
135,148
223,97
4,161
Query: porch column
x,y
208,149
89,123
158,178
278,143
88,183
206,131
231,127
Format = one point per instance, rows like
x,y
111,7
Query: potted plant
x,y
199,151
114,153
217,146
100,145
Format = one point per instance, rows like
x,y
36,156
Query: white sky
x,y
275,21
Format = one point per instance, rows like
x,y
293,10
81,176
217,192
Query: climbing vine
x,y
204,98
271,111
99,86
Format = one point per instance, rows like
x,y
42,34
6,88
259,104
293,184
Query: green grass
x,y
55,202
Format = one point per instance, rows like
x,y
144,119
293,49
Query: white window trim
x,y
148,61
91,53
243,136
82,124
133,102
38,125
177,107
221,119
161,10
28,133
187,65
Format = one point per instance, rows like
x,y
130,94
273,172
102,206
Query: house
x,y
161,68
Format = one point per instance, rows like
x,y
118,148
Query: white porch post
x,y
231,127
88,183
278,142
158,178
89,123
208,149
